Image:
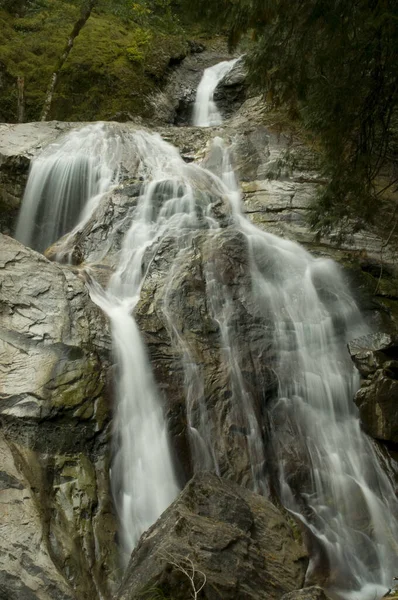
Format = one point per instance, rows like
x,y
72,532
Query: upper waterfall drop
x,y
206,113
63,179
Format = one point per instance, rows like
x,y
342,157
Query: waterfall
x,y
205,112
306,441
64,182
142,474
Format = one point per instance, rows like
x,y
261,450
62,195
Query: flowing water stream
x,y
314,453
206,113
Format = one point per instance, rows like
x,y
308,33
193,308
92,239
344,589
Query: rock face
x,y
231,92
376,357
238,540
54,400
181,328
101,237
54,413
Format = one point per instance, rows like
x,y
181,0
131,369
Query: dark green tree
x,y
333,63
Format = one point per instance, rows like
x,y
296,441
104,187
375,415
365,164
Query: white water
x,y
64,183
206,113
328,472
142,474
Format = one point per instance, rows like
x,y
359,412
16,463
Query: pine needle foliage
x,y
333,63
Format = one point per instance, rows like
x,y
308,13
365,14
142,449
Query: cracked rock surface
x,y
57,525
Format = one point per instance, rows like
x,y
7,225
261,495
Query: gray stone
x,y
181,292
174,105
377,402
100,239
371,351
238,540
309,593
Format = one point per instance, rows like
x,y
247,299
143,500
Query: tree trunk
x,y
86,10
21,99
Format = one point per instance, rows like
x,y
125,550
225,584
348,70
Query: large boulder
x,y
230,540
58,527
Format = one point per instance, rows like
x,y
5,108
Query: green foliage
x,y
142,38
333,63
145,13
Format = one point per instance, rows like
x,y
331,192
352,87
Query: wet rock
x,y
100,238
232,90
58,529
371,351
27,571
377,403
237,540
175,104
181,329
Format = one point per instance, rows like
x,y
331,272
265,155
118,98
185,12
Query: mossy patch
x,y
114,65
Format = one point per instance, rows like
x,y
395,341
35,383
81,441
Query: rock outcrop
x,y
182,329
376,357
174,105
57,524
54,406
238,544
310,593
231,92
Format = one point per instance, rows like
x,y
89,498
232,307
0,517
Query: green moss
x,y
114,64
76,383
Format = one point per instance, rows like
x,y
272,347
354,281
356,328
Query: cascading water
x,y
329,473
142,474
205,112
170,207
64,182
314,453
